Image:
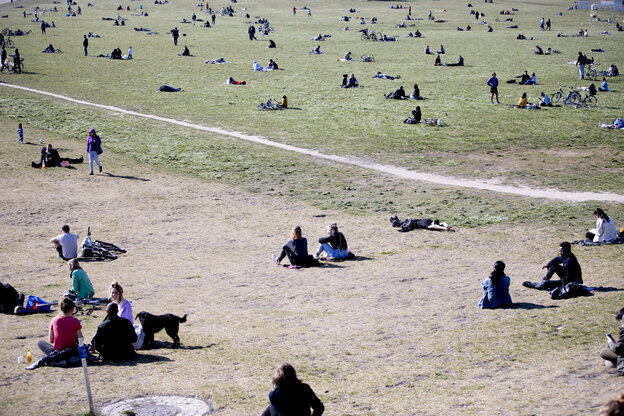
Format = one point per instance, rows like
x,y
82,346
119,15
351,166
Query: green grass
x,y
538,148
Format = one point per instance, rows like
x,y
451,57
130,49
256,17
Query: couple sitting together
x,y
334,245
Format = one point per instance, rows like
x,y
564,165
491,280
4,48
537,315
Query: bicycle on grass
x,y
99,249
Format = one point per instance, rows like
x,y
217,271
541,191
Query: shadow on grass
x,y
163,344
134,178
93,259
529,306
139,359
608,289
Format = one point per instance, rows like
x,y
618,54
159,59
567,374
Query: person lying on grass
x,y
381,75
297,251
410,224
460,62
617,124
399,94
231,81
496,289
334,245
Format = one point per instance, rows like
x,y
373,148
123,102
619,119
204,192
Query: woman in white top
x,y
605,228
125,311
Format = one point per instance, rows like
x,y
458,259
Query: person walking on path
x,y
85,44
493,84
94,148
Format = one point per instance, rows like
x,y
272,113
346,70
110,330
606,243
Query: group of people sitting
x,y
459,62
349,81
50,158
525,79
271,66
296,249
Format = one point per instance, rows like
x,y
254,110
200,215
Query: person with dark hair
x,y
522,103
271,44
17,61
63,335
566,266
605,230
352,82
334,245
50,158
114,336
592,90
415,95
82,287
85,44
175,34
251,31
291,396
94,149
296,249
66,244
437,61
496,289
614,353
399,94
3,57
459,62
493,84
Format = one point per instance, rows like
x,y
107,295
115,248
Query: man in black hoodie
x,y
566,266
114,337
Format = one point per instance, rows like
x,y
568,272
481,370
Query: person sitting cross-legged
x,y
114,336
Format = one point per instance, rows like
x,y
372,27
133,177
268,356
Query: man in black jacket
x,y
52,159
114,337
566,266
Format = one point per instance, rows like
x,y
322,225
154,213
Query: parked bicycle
x,y
570,97
99,249
372,36
7,43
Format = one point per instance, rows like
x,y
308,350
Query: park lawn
x,y
552,148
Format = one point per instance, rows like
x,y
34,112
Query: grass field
x,y
397,332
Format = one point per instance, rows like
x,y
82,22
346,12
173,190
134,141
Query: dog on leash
x,y
154,323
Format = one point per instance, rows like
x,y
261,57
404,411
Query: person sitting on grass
x,y
185,52
592,90
114,336
415,95
523,101
614,353
524,78
82,287
284,102
317,50
272,66
538,50
617,124
63,335
460,62
544,100
271,44
532,79
351,82
566,266
334,245
231,81
496,289
347,57
399,94
604,87
605,230
256,66
50,158
415,118
291,396
49,49
437,61
297,251
428,50
66,244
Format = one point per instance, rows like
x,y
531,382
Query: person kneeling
x,y
114,337
335,245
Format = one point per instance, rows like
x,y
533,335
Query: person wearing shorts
x,y
493,84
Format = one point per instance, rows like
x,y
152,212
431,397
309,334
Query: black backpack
x,y
8,298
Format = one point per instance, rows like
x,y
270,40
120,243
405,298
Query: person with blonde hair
x,y
334,245
296,249
81,285
291,396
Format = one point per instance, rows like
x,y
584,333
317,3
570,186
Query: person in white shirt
x,y
66,244
605,228
130,52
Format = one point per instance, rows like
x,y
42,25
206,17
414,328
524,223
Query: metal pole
x,y
83,354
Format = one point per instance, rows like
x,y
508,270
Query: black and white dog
x,y
154,323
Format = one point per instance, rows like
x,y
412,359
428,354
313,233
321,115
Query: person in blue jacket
x,y
496,288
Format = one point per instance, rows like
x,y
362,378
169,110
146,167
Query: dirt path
x,y
398,171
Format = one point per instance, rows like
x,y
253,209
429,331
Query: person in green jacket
x,y
81,285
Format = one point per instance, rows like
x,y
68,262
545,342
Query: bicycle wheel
x,y
373,37
364,36
110,246
102,253
556,97
6,31
10,44
590,100
575,97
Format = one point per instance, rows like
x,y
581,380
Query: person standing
x,y
294,11
17,62
43,28
130,52
85,44
493,84
309,12
252,32
3,57
20,133
94,148
581,60
548,24
541,27
175,33
213,17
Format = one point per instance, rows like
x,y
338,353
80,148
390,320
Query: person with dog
x,y
605,230
63,336
114,336
82,287
66,244
334,245
296,249
291,396
566,266
496,289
